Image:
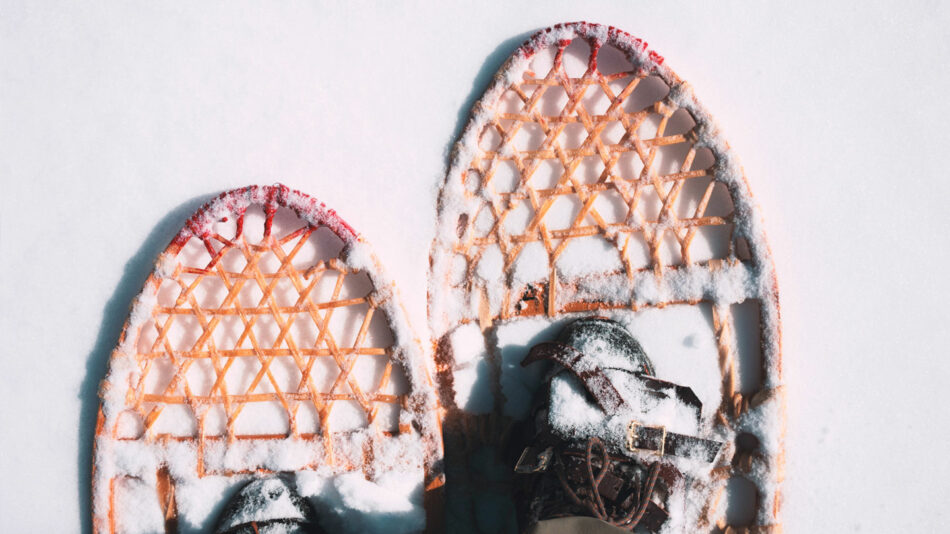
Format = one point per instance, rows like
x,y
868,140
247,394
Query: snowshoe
x,y
267,340
591,181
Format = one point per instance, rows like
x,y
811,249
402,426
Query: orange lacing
x,y
645,160
277,329
306,307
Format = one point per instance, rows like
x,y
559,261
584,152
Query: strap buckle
x,y
633,438
534,461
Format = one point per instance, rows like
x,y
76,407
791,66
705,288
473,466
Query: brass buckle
x,y
632,438
632,435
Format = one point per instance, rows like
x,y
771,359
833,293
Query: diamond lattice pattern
x,y
262,330
591,153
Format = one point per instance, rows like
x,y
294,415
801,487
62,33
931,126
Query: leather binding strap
x,y
657,439
597,383
594,379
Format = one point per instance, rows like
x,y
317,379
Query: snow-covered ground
x,y
118,120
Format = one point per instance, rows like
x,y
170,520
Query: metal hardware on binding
x,y
632,435
532,461
633,438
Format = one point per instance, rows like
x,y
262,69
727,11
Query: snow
x,y
468,344
390,504
470,370
201,501
139,498
490,265
681,344
588,255
118,138
531,265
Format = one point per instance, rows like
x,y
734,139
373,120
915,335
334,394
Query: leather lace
x,y
592,500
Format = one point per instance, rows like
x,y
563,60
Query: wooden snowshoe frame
x,y
280,309
595,144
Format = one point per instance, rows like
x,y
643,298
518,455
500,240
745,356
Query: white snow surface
x,y
120,119
471,368
139,498
351,504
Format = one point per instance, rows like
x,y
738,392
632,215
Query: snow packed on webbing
x,y
267,340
